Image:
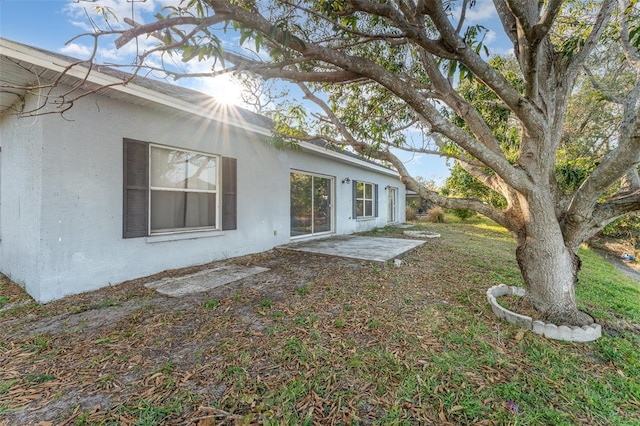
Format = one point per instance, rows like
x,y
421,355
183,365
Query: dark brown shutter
x,y
136,189
375,200
229,193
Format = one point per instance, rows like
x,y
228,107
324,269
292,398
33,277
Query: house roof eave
x,y
340,156
58,64
21,72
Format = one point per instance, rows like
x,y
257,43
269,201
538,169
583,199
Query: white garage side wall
x,y
21,209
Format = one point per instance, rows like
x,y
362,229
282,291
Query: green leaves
x,y
572,173
474,37
106,13
632,15
634,35
207,50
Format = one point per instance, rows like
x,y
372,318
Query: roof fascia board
x,y
41,59
341,157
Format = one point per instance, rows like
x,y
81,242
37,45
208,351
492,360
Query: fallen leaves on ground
x,y
340,341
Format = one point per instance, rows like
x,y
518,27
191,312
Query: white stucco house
x,y
147,176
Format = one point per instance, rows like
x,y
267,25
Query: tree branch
x,y
607,95
612,168
542,28
491,181
616,207
577,60
508,21
526,111
153,27
632,54
463,13
463,108
386,155
374,72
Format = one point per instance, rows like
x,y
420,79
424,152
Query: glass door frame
x,y
332,210
392,203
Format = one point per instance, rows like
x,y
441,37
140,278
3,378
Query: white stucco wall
x,y
62,196
21,199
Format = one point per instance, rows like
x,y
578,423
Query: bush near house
x,y
410,214
435,215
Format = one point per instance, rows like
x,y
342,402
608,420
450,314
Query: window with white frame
x,y
168,190
365,203
183,188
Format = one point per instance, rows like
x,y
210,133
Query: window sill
x,y
364,219
178,236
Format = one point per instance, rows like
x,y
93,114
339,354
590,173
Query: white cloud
x,y
482,12
490,37
110,13
83,25
76,50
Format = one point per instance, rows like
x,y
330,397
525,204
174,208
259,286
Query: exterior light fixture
x,y
346,180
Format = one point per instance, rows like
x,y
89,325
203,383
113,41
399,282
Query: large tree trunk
x,y
550,270
550,274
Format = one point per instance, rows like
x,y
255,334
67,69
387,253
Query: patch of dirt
x,y
519,305
91,352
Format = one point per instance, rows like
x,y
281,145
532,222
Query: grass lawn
x,y
322,340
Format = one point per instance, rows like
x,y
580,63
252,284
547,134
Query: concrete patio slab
x,y
377,249
203,280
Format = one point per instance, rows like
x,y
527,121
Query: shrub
x,y
410,214
626,227
435,215
462,214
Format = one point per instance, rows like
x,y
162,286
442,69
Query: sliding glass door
x,y
392,196
311,204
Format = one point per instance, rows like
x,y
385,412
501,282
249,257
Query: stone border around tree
x,y
587,333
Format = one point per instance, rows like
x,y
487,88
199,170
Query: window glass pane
x,y
359,208
175,210
180,173
200,210
321,204
368,191
368,211
360,190
167,210
202,172
168,168
301,211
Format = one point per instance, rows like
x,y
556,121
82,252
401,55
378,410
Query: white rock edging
x,y
586,333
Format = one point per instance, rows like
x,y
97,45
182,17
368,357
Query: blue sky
x,y
51,24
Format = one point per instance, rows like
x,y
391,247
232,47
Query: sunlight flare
x,y
224,89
